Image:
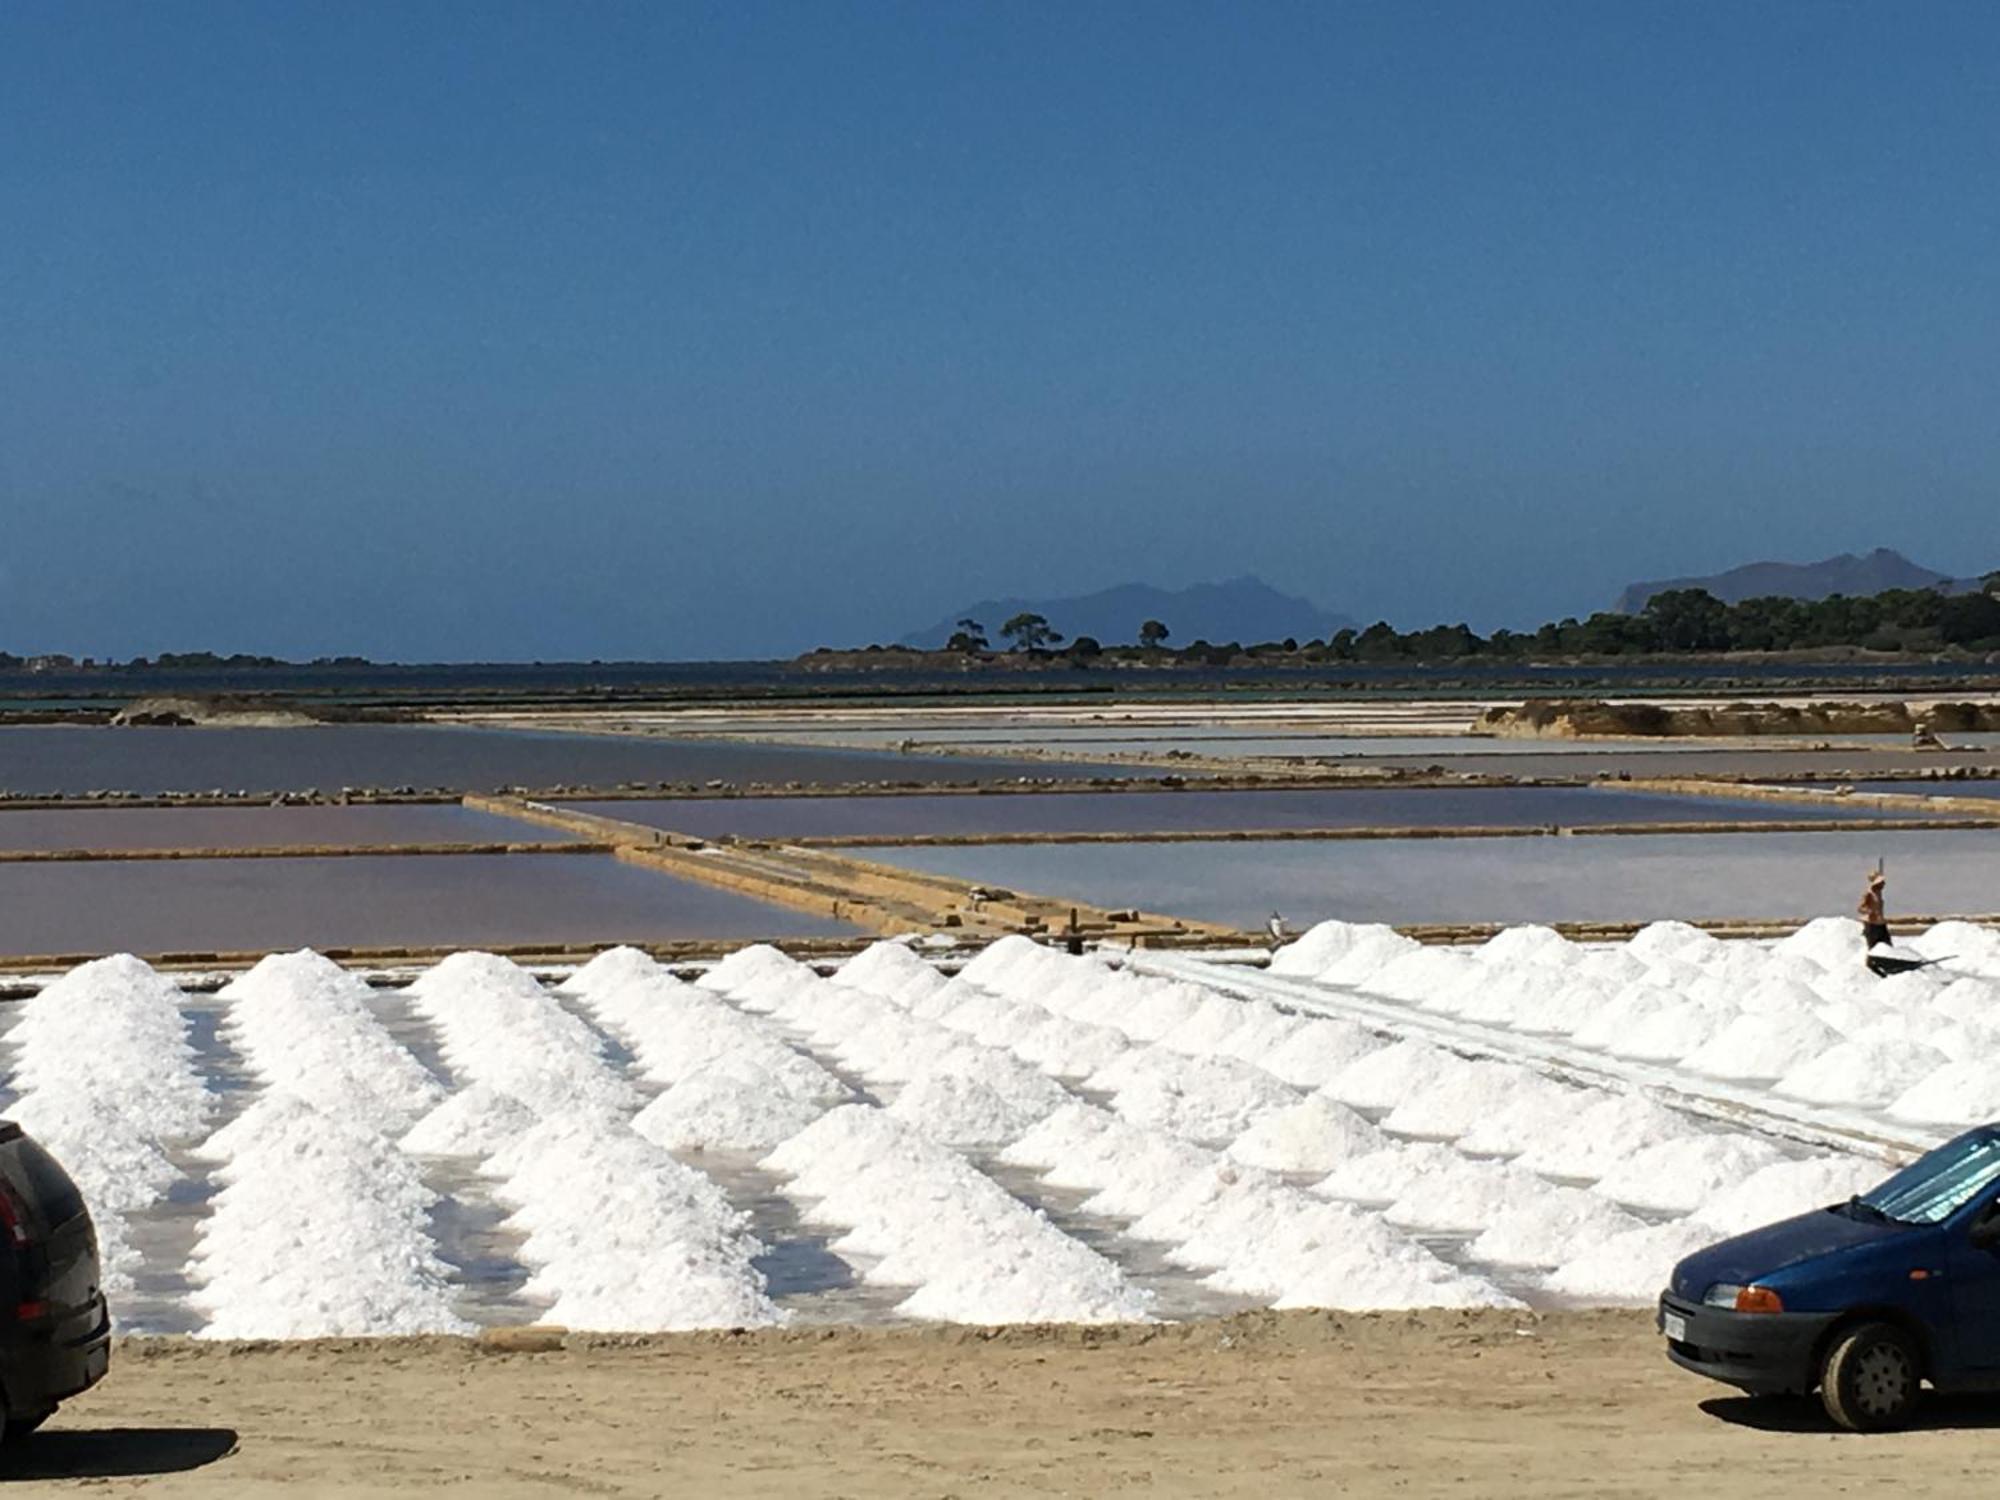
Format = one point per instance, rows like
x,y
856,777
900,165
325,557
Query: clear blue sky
x,y
506,330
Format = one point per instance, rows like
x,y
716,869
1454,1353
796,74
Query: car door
x,y
1973,1263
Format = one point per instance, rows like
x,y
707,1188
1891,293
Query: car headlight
x,y
1744,1299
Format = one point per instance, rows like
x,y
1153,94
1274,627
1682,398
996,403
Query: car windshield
x,y
1934,1186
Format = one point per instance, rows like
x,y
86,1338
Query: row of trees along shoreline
x,y
1677,622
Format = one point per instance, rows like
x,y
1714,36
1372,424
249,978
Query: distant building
x,y
52,663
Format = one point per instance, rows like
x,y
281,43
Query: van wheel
x,y
1871,1378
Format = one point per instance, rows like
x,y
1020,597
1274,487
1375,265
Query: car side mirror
x,y
1985,1231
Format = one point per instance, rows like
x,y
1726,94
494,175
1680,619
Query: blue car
x,y
1864,1301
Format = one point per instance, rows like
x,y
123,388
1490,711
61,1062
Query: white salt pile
x,y
1605,1135
305,1025
1300,1252
1464,1093
1373,948
321,1230
622,1236
1673,1031
1059,1136
1956,1095
1861,1075
1064,1048
1786,1188
1532,997
613,969
1148,1168
1384,1176
960,1111
1528,943
105,1078
1315,950
1211,1100
714,1112
501,1028
1538,1114
1314,1135
1317,1051
892,971
1629,1267
754,974
1829,942
1550,1227
1672,940
928,1219
474,1122
1636,1002
1463,1194
1213,1022
1128,1169
677,1032
1764,1043
1426,977
1384,1079
1678,1176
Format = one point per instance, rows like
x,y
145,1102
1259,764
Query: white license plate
x,y
1674,1326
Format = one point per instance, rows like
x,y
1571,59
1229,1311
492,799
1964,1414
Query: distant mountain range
x,y
1846,574
1243,609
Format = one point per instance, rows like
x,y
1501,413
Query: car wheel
x,y
19,1427
1871,1378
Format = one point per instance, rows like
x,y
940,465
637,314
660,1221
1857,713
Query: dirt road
x,y
1467,1405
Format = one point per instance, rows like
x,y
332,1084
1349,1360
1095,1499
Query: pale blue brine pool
x,y
1517,879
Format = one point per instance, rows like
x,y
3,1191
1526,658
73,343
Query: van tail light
x,y
1759,1299
27,1312
14,1216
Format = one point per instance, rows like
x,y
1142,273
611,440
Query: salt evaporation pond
x,y
50,759
373,901
1176,812
1985,787
263,827
1619,878
1038,1138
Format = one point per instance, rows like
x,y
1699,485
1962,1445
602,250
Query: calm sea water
x,y
80,759
1626,878
525,679
361,901
1189,811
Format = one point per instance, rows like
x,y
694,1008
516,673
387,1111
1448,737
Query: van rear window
x,y
42,1181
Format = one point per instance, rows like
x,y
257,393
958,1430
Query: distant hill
x,y
1243,609
1856,577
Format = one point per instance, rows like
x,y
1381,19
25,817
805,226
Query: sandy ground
x,y
1484,1404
